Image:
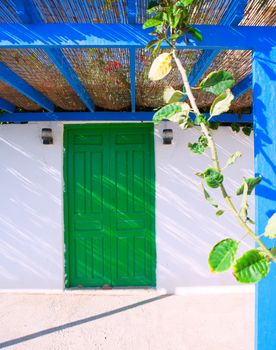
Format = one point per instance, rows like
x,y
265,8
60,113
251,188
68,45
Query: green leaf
x,y
155,51
222,255
200,118
244,205
219,212
151,23
203,140
221,103
185,2
194,32
231,160
270,230
235,127
208,197
247,130
217,82
251,267
152,7
171,95
161,66
150,44
183,121
213,177
251,183
196,148
175,20
199,147
172,111
214,125
175,36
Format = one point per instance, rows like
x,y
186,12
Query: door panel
x,y
110,205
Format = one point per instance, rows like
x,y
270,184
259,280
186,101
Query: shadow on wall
x,y
186,224
31,239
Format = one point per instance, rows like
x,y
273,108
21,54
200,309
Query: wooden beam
x,y
131,11
63,65
6,106
264,97
132,59
106,116
232,17
16,82
79,35
243,86
27,11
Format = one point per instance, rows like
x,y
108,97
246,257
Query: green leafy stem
x,y
170,23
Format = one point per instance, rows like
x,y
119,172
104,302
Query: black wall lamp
x,y
47,136
167,136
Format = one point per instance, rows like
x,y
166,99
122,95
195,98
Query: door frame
x,y
66,129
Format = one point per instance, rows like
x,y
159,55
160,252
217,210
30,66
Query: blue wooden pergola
x,y
31,32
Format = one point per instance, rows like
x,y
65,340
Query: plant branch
x,y
207,132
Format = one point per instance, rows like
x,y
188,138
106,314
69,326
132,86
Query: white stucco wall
x,y
31,219
31,208
186,224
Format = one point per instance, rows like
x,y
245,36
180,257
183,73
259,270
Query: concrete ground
x,y
143,321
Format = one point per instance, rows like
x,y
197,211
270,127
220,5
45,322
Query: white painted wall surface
x,y
186,224
31,238
31,209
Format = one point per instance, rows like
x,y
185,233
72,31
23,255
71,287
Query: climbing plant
x,y
169,21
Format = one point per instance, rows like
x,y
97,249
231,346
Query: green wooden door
x,y
109,205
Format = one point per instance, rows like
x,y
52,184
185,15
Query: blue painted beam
x,y
264,97
232,17
6,106
27,12
132,58
62,35
107,116
15,81
131,11
234,13
243,86
201,66
63,65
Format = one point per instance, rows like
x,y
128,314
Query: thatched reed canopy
x,y
105,73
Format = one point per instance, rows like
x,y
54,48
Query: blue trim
x,y
201,66
21,11
243,86
61,62
264,95
106,116
131,11
14,80
80,35
6,106
30,15
234,13
232,17
26,11
132,58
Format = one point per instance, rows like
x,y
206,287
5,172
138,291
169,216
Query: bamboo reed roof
x,y
105,73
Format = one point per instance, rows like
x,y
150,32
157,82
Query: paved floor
x,y
144,321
